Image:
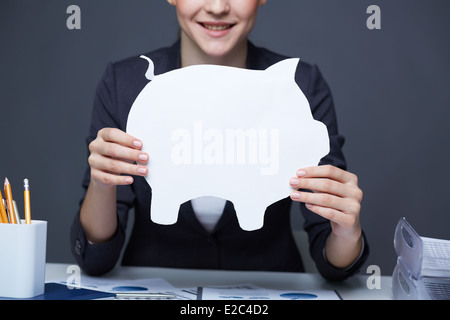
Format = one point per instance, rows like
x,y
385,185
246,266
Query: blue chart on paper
x,y
298,296
129,288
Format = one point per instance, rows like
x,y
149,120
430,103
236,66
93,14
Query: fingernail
x,y
301,173
137,143
143,157
295,195
142,170
294,181
308,205
128,180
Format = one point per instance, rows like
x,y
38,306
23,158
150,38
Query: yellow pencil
x,y
26,197
3,215
9,201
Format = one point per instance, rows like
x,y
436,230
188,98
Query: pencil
x,y
9,201
16,211
26,197
3,215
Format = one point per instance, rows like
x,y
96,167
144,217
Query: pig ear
x,y
150,74
284,68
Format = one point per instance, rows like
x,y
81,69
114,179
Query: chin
x,y
217,51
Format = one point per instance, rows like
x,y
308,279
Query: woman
x,y
212,32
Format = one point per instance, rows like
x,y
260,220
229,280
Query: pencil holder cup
x,y
22,259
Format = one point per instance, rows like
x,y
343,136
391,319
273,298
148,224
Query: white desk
x,y
354,288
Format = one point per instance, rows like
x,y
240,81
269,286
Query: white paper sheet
x,y
252,292
138,288
114,286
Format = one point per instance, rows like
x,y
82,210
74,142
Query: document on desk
x,y
150,289
252,292
157,288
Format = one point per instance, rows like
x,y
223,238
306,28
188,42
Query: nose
x,y
217,7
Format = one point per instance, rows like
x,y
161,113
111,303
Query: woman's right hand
x,y
115,156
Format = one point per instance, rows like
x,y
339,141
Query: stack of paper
x,y
436,260
423,266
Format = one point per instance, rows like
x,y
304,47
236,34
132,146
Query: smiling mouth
x,y
217,27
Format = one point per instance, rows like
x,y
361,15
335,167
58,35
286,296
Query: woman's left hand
x,y
337,197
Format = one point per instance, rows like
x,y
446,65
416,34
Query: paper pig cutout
x,y
226,132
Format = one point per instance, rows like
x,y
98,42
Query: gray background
x,y
390,86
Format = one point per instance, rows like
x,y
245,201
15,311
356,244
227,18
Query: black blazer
x,y
187,244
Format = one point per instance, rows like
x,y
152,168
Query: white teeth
x,y
216,28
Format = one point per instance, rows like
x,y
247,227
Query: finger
x,y
117,151
116,166
323,185
108,178
118,136
327,201
336,216
328,171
